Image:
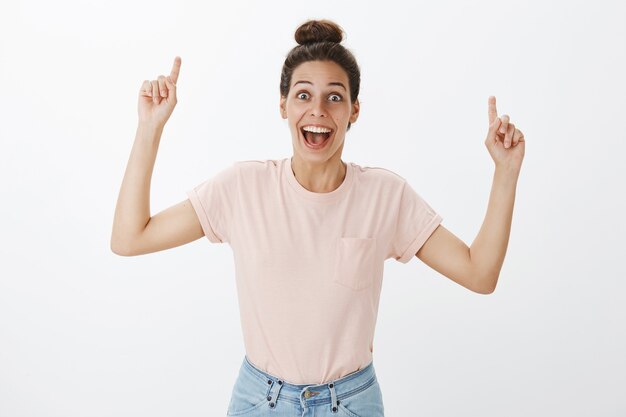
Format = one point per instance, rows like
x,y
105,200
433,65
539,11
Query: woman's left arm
x,y
478,267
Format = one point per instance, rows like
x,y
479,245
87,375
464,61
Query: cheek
x,y
342,114
294,131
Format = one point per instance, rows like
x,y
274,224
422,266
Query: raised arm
x,y
478,267
134,231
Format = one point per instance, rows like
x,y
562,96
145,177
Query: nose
x,y
318,108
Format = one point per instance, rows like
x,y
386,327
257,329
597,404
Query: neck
x,y
321,177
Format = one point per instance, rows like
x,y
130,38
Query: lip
x,y
317,125
325,144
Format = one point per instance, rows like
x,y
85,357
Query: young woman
x,y
310,234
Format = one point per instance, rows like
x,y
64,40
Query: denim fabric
x,y
258,394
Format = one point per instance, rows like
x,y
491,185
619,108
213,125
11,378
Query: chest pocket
x,y
355,261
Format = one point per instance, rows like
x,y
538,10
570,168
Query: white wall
x,y
84,332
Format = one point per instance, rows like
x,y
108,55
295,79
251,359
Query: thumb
x,y
493,130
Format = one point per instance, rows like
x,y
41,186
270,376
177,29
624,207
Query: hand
x,y
157,98
504,141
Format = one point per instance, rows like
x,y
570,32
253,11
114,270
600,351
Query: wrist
x,y
149,128
149,132
511,174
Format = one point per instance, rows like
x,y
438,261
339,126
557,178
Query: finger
x,y
509,135
492,138
175,70
146,89
493,113
517,136
171,87
155,91
505,124
162,89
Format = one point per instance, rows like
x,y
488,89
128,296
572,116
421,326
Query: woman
x,y
310,234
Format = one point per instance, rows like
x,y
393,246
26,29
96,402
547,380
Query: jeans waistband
x,y
316,394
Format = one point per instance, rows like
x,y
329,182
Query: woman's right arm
x,y
135,232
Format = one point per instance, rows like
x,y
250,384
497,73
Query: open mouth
x,y
316,140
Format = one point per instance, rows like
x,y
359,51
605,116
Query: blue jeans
x,y
259,394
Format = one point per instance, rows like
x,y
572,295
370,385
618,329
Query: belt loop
x,y
273,393
334,402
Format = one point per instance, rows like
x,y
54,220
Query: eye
x,y
299,95
338,97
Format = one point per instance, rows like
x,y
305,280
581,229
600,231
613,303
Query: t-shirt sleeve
x,y
416,221
214,202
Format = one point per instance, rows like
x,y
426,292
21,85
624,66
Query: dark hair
x,y
319,40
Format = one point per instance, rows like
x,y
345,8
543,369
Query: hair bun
x,y
318,31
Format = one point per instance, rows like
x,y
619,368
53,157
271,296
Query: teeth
x,y
316,129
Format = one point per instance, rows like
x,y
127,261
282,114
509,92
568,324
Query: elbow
x,y
485,291
120,248
486,286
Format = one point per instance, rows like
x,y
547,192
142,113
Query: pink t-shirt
x,y
309,266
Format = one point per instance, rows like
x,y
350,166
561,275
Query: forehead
x,y
320,73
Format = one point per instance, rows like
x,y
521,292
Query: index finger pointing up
x,y
493,113
175,69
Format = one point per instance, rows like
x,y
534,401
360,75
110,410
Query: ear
x,y
283,108
356,107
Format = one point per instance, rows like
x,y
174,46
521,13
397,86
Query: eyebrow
x,y
331,83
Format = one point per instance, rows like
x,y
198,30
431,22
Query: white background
x,y
84,332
